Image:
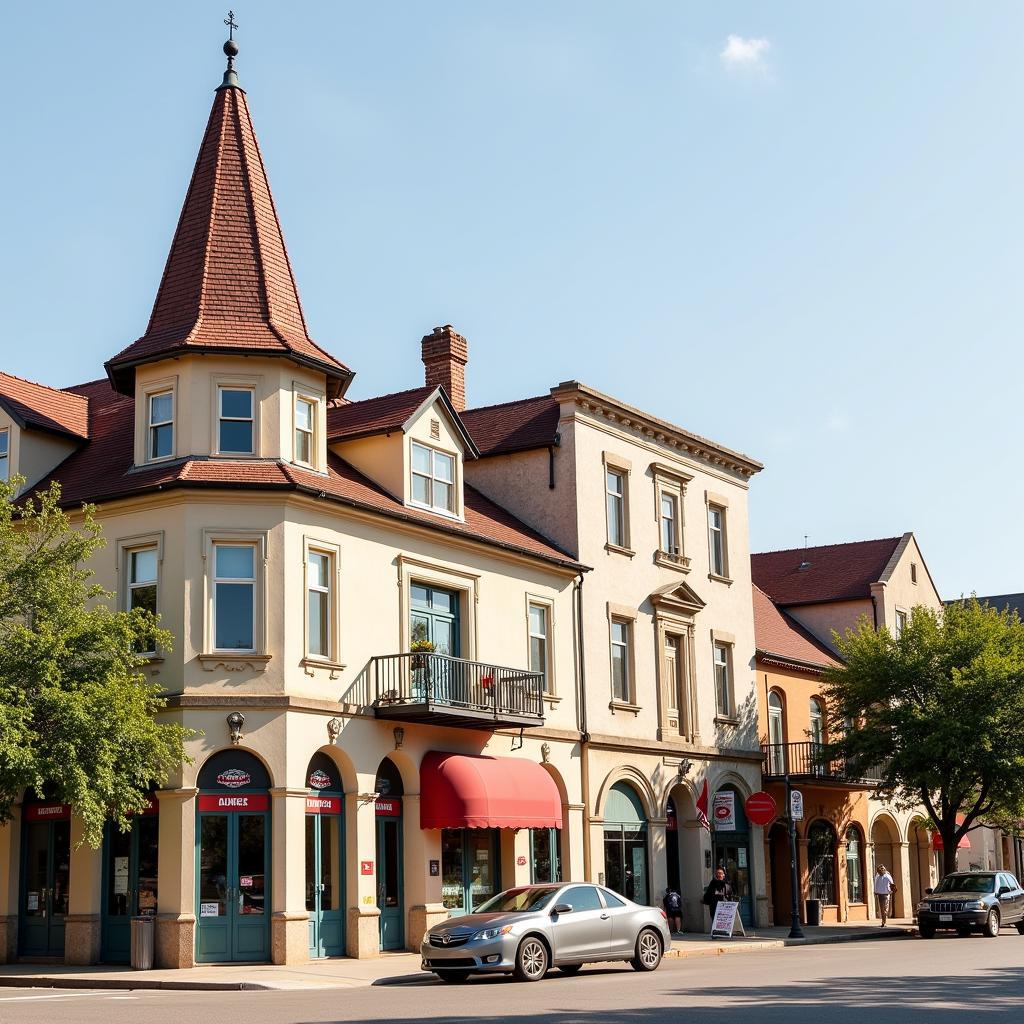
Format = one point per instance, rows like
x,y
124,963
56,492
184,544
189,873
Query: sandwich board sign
x,y
726,919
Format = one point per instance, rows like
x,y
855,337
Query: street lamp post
x,y
795,930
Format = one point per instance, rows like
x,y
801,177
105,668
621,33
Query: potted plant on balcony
x,y
421,647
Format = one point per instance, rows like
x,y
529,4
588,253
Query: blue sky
x,y
793,227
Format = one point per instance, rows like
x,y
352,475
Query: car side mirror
x,y
928,892
562,908
1003,890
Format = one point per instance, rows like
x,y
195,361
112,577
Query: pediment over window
x,y
677,598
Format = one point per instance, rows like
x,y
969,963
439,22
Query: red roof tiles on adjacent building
x,y
381,415
513,426
44,408
228,285
778,637
832,572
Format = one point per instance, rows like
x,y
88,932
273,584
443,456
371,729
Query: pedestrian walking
x,y
673,904
884,888
718,889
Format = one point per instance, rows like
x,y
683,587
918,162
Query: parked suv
x,y
969,901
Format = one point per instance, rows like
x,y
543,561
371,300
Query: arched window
x,y
625,843
776,747
821,860
854,865
817,721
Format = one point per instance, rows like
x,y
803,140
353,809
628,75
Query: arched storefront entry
x,y
625,844
732,848
672,846
233,859
325,858
129,881
781,874
389,856
45,877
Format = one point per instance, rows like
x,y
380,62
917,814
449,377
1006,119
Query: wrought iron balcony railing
x,y
810,760
438,688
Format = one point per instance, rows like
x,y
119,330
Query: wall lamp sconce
x,y
333,729
368,798
235,722
399,734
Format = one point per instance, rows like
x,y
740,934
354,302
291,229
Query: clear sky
x,y
793,227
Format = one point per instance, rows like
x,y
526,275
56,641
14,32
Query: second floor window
x,y
669,523
433,478
615,489
539,642
723,681
142,587
620,661
318,587
901,623
235,425
161,425
716,540
234,597
305,423
5,454
817,716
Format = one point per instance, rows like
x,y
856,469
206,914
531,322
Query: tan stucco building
x,y
427,650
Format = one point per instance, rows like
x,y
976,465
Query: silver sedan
x,y
528,930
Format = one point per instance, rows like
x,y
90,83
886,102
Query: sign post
x,y
726,919
795,931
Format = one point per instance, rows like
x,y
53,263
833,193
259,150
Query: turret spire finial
x,y
231,49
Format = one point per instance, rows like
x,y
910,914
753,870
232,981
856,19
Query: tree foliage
x,y
940,709
77,716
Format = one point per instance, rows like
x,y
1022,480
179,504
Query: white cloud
x,y
744,53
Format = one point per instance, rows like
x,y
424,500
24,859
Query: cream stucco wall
x,y
33,453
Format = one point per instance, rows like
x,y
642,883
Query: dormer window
x,y
235,432
5,454
161,425
305,429
433,478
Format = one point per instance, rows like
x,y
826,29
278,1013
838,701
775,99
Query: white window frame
x,y
433,478
152,426
126,547
548,608
313,546
618,499
674,547
5,453
719,569
627,658
314,417
220,418
723,664
258,539
901,619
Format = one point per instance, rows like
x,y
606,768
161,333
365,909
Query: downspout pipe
x,y
581,720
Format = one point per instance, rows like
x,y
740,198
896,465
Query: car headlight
x,y
974,905
492,933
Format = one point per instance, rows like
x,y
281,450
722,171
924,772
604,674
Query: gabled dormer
x,y
226,368
413,444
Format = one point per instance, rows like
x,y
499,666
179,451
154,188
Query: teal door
x,y
469,869
732,855
45,874
389,879
129,884
325,901
233,909
434,617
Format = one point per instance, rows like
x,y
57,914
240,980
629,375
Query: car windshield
x,y
967,883
519,901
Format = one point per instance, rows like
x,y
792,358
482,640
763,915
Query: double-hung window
x,y
901,623
669,512
305,430
621,684
142,587
234,597
615,496
161,425
319,592
433,478
716,540
539,629
235,434
5,454
723,681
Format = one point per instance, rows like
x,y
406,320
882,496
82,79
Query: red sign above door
x,y
323,805
389,807
760,808
235,802
47,812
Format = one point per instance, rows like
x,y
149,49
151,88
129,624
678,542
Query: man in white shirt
x,y
884,888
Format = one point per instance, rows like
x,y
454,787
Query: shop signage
x,y
245,882
319,779
239,802
366,867
120,876
435,868
723,811
47,812
323,805
234,778
760,808
209,910
726,919
521,861
389,807
796,805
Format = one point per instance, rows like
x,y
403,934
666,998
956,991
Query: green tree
x,y
77,716
940,710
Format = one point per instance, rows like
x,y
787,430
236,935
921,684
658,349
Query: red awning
x,y
471,791
964,844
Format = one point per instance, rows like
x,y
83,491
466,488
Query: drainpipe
x,y
874,611
551,460
581,717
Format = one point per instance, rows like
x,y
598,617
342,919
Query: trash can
x,y
142,943
813,912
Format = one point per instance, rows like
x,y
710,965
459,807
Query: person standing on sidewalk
x,y
884,888
673,904
718,889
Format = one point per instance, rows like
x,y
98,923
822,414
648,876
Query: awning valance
x,y
473,791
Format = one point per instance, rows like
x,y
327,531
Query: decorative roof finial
x,y
231,49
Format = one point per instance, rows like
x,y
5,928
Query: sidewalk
x,y
388,969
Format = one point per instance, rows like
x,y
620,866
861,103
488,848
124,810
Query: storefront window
x,y
469,868
854,866
821,860
625,844
544,855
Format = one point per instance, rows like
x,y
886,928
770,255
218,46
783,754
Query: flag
x,y
702,807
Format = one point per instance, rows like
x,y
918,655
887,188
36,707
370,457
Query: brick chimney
x,y
445,355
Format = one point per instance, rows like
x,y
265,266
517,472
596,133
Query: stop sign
x,y
760,808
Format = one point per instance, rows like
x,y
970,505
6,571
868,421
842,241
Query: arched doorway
x,y
856,870
325,857
781,878
45,877
921,857
732,848
821,863
390,884
233,854
886,850
672,845
625,843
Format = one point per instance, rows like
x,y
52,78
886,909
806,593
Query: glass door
x,y
129,884
389,882
46,871
324,900
434,617
453,892
482,866
732,856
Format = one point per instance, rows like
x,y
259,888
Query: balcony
x,y
809,762
436,689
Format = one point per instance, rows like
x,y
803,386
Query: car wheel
x,y
648,951
571,968
926,931
453,977
531,959
992,924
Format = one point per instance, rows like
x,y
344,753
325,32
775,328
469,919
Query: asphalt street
x,y
944,981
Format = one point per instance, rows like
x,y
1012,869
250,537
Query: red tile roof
x,y
779,638
36,405
228,284
832,572
381,415
102,471
513,426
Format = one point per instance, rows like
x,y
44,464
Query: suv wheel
x,y
648,951
531,960
992,924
